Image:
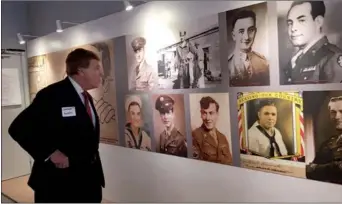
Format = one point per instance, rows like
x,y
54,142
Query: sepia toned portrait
x,y
310,42
271,131
210,126
323,130
137,130
169,124
50,68
142,75
191,58
247,37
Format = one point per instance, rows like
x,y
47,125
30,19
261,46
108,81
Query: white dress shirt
x,y
79,90
260,144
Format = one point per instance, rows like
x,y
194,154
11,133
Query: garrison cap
x,y
164,103
138,43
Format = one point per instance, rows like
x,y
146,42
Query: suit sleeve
x,y
30,129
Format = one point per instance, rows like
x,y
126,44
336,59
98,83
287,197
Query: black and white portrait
x,y
193,59
247,37
310,41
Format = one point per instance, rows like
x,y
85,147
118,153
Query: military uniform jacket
x,y
327,165
143,142
174,144
322,63
143,78
206,148
239,75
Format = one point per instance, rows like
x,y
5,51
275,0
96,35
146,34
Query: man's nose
x,y
245,35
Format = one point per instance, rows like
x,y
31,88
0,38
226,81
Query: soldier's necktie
x,y
294,58
87,104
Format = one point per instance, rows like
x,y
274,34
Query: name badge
x,y
68,111
309,69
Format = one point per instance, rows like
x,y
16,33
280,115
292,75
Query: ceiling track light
x,y
21,39
59,25
128,6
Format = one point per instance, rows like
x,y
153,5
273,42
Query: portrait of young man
x,y
315,59
136,136
60,130
172,140
141,74
209,139
246,66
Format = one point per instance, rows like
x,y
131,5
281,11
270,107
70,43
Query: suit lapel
x,y
81,111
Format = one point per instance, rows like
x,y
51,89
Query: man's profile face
x,y
267,116
140,55
244,33
93,74
167,118
209,116
302,28
336,113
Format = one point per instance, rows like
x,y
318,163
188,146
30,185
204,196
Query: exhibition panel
x,y
222,86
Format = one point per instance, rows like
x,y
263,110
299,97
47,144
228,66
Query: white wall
x,y
137,176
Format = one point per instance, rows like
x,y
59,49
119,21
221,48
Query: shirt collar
x,y
76,85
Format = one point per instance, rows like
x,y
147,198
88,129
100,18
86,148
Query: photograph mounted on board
x,y
210,126
192,59
50,68
271,132
310,42
247,38
323,130
169,124
137,129
142,74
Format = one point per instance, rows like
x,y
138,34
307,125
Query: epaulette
x,y
333,48
259,55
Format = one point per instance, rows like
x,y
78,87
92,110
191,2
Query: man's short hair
x,y
266,102
206,101
244,14
79,58
333,100
134,103
317,7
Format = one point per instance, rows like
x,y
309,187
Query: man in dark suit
x,y
60,130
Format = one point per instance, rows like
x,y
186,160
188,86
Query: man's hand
x,y
59,159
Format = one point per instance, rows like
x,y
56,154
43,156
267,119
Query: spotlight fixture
x,y
21,40
128,6
59,25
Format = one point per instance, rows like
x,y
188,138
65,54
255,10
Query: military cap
x,y
138,43
164,103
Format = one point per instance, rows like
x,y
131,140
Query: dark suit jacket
x,y
41,129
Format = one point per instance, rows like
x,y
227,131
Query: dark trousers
x,y
69,194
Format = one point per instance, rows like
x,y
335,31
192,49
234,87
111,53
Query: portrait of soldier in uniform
x,y
142,76
171,140
208,143
246,66
327,163
264,139
135,135
315,60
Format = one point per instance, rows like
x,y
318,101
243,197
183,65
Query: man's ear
x,y
233,35
259,114
319,20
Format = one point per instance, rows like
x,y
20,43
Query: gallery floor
x,y
17,190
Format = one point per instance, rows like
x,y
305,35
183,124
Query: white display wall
x,y
138,176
